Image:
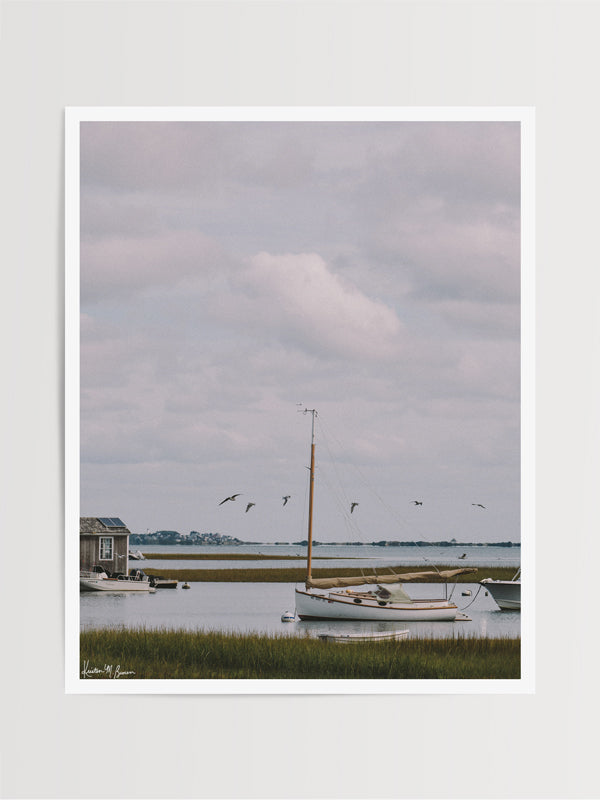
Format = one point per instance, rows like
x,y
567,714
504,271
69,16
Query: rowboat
x,y
379,636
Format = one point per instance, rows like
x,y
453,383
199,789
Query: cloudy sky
x,y
370,270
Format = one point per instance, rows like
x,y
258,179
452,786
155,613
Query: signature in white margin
x,y
107,671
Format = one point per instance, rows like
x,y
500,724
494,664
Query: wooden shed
x,y
104,541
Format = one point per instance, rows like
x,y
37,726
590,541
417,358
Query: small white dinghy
x,y
379,636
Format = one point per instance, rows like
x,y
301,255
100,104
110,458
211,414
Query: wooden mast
x,y
311,495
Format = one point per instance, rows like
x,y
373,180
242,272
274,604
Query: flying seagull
x,y
249,506
464,555
417,502
286,498
477,504
233,496
353,506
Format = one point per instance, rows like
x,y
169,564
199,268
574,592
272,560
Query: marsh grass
x,y
298,574
178,654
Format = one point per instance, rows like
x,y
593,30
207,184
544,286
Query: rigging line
x,y
351,525
342,493
473,600
333,461
395,514
339,495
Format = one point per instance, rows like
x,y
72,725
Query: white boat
x,y
507,594
393,604
96,580
136,555
349,638
163,583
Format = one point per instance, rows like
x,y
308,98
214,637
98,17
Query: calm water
x,y
257,608
335,556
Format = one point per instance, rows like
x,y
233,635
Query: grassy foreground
x,y
298,574
170,654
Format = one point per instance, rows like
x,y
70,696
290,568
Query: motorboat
x,y
507,594
98,580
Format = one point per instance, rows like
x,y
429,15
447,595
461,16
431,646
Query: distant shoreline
x,y
135,541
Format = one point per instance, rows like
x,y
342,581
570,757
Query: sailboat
x,y
391,604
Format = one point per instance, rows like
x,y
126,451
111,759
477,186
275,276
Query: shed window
x,y
106,548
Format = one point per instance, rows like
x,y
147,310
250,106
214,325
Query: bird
x,y
417,502
233,496
477,504
249,506
286,498
353,506
464,555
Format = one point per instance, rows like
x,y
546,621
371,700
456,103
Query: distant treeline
x,y
386,543
195,538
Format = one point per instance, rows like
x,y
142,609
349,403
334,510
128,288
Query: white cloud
x,y
230,271
298,296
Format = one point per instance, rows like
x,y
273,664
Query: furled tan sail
x,y
401,577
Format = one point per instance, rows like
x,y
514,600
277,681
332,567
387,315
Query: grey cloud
x,y
232,270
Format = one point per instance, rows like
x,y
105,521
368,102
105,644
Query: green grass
x,y
298,574
178,654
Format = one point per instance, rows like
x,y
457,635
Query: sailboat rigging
x,y
392,604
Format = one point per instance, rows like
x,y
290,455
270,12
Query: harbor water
x,y
333,556
258,607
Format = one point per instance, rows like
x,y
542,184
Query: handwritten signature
x,y
107,671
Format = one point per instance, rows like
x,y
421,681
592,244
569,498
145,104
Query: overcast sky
x,y
369,270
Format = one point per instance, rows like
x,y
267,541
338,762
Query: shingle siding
x,y
90,532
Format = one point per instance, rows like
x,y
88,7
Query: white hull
x,y
507,594
336,605
349,638
114,585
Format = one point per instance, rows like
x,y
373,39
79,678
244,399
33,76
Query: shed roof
x,y
102,525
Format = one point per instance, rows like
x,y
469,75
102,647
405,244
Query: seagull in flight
x,y
233,496
477,504
286,498
249,506
464,555
417,502
353,506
